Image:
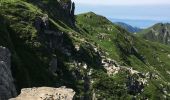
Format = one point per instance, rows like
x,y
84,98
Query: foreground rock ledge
x,y
46,93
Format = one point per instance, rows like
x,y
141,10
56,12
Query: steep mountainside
x,y
158,33
92,56
141,66
129,28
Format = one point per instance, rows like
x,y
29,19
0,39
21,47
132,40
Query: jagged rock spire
x,y
7,87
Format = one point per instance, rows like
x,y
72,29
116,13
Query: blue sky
x,y
155,10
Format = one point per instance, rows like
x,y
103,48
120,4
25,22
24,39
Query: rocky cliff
x,y
7,87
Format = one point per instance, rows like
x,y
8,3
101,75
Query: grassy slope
x,y
93,24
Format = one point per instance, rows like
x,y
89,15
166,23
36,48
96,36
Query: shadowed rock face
x,y
7,87
46,93
58,9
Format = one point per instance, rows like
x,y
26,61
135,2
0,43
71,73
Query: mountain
x,y
141,23
129,28
158,33
127,60
46,45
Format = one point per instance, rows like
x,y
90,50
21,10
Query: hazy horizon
x,y
153,11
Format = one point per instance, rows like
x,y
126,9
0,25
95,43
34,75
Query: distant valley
x,y
129,28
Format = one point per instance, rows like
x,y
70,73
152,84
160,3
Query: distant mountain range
x,y
137,23
158,33
128,27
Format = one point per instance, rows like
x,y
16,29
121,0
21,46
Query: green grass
x,y
120,48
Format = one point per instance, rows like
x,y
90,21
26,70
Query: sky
x,y
132,10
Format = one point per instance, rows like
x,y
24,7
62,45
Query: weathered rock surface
x,y
45,93
7,87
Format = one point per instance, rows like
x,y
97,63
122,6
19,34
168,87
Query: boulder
x,y
46,93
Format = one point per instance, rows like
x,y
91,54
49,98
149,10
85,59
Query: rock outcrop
x,y
69,7
7,87
158,33
46,93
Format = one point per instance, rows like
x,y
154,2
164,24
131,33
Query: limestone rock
x,y
45,93
7,87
